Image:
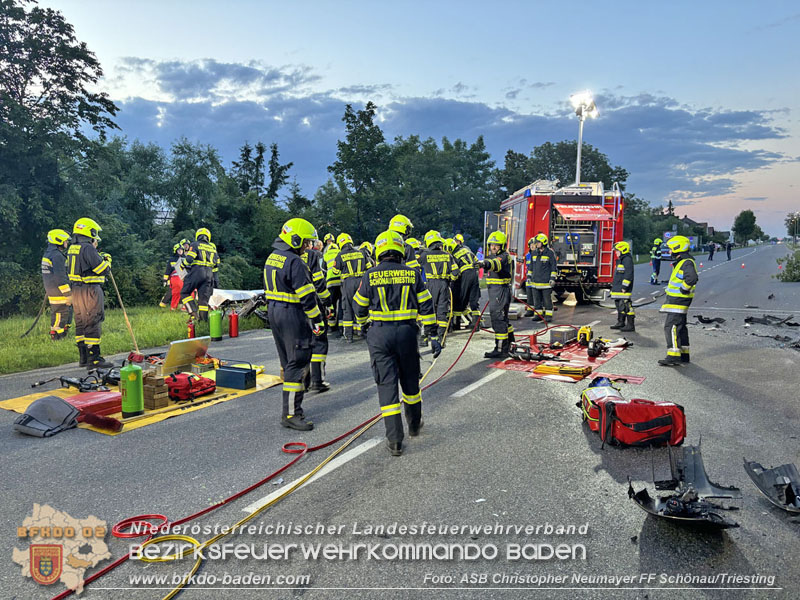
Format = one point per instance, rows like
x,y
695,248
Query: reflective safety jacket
x,y
368,255
542,267
215,268
170,269
655,252
465,259
438,263
201,254
682,282
349,263
393,292
287,279
313,259
411,259
54,275
85,266
329,256
622,284
499,267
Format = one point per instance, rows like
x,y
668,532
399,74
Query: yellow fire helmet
x,y
413,242
57,236
389,241
296,231
623,247
679,243
88,227
459,238
329,237
497,237
202,231
658,241
432,237
540,237
450,245
401,224
366,246
344,238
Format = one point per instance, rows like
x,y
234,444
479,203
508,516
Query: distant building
x,y
707,229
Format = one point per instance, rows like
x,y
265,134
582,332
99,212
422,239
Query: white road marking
x,y
593,323
471,388
331,466
751,310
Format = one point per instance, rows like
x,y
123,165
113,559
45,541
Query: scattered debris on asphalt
x,y
781,485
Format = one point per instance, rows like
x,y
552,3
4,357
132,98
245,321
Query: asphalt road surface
x,y
498,451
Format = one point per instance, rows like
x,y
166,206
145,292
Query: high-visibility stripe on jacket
x,y
465,259
54,275
84,263
499,269
622,284
201,254
681,286
287,279
411,259
392,292
313,259
542,268
439,264
332,279
349,263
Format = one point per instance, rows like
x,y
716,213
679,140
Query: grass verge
x,y
152,326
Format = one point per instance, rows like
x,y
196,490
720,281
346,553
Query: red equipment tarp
x,y
583,212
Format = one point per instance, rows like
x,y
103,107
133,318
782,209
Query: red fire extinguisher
x,y
233,325
190,328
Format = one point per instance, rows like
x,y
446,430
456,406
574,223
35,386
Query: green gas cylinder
x,y
215,325
130,384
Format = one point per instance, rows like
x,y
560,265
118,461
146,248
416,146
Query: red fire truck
x,y
582,221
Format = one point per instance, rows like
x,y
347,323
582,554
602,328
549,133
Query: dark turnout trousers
x,y
440,292
394,357
88,302
499,301
293,340
470,292
677,335
349,289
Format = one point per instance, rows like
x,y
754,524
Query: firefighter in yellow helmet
x,y
500,272
655,260
292,304
349,265
402,225
86,269
333,281
440,271
319,344
199,261
393,296
680,292
622,287
542,272
56,284
469,286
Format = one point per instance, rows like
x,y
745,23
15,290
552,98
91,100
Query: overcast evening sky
x,y
699,101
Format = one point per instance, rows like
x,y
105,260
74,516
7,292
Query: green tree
x,y
792,223
557,161
278,173
744,226
194,172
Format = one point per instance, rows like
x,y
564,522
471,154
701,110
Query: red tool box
x,y
98,403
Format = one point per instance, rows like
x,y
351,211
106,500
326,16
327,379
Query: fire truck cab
x,y
582,221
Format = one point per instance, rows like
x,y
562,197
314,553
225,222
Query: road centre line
x,y
750,310
331,466
471,388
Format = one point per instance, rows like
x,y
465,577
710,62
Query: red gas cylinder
x,y
233,325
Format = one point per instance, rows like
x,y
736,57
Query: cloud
x,y
672,150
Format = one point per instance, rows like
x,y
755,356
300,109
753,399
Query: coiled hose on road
x,y
152,524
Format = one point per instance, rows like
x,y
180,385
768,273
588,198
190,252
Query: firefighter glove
x,y
437,348
318,329
106,256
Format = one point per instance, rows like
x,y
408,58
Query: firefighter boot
x,y
497,352
537,316
414,418
83,353
506,347
670,361
318,383
630,324
422,340
395,448
620,321
685,355
296,420
95,360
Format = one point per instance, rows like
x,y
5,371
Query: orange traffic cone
x,y
743,265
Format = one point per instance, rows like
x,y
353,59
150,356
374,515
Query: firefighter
x,y
319,344
199,261
334,282
499,271
542,273
402,225
56,284
415,244
680,291
469,287
440,270
366,250
457,307
292,302
172,279
393,296
655,260
622,286
85,270
350,265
